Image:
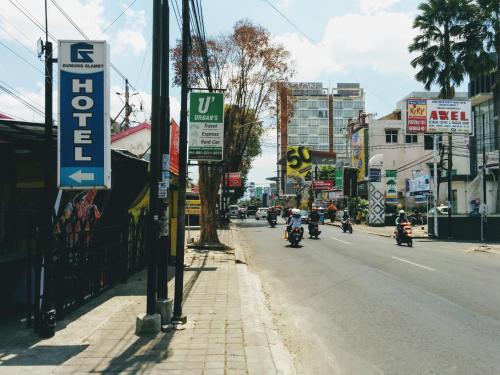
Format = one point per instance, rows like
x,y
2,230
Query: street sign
x,y
322,185
375,175
233,179
206,126
84,156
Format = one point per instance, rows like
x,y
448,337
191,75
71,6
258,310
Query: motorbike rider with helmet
x,y
271,214
400,220
313,218
295,221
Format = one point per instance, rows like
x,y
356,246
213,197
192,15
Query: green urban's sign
x,y
206,126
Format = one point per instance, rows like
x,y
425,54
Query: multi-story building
x,y
305,120
481,94
348,100
406,156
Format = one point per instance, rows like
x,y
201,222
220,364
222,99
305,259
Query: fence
x,y
89,260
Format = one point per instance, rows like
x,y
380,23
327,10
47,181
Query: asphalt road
x,y
359,304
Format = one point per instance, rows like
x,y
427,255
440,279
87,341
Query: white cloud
x,y
14,108
284,3
374,6
131,36
377,41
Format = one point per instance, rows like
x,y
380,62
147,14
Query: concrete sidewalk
x,y
386,231
229,329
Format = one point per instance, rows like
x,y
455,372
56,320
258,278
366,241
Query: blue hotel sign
x,y
84,158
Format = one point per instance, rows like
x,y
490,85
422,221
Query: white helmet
x,y
295,211
401,212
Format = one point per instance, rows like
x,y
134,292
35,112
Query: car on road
x,y
251,210
442,210
261,213
234,210
304,216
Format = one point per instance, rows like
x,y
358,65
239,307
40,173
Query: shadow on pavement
x,y
41,355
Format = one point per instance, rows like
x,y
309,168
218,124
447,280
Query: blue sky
x,y
345,41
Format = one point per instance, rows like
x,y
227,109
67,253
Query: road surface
x,y
359,304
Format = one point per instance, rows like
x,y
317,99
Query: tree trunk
x,y
210,177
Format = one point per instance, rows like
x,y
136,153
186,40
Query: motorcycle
x,y
404,235
314,231
272,221
347,225
294,237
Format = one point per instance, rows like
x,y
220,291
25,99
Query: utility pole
x,y
483,203
155,162
164,248
450,198
178,318
436,182
127,105
45,321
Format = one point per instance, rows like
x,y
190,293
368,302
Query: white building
x,y
136,140
407,156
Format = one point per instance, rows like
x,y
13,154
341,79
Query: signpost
x,y
206,126
84,157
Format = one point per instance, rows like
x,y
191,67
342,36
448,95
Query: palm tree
x,y
449,47
449,44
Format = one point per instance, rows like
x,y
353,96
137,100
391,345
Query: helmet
x,y
295,211
401,212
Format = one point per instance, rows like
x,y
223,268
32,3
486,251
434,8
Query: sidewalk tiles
x,y
229,329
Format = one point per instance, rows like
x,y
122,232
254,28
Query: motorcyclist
x,y
271,214
313,218
295,221
345,215
400,220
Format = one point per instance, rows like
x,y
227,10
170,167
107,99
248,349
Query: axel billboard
x,y
438,116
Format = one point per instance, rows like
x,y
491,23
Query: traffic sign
x,y
84,156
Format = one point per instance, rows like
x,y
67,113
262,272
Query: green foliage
x,y
358,209
449,44
326,173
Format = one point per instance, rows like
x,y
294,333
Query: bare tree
x,y
247,64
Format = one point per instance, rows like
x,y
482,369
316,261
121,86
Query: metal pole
x,y
45,245
155,163
483,211
181,216
164,248
435,192
450,198
127,105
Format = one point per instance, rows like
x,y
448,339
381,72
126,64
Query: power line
x,y
18,41
119,16
19,56
28,15
289,21
40,107
16,28
144,60
177,13
21,100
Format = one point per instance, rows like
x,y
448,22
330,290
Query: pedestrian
x,y
332,212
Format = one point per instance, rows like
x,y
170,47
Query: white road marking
x,y
347,243
415,264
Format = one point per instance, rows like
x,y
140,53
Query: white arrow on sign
x,y
79,176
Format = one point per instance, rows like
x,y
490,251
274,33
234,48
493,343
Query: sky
x,y
330,41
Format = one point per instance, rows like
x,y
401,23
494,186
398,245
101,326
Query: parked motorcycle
x,y
314,231
294,237
404,234
347,225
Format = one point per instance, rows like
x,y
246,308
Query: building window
x,y
337,104
391,136
411,138
429,142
